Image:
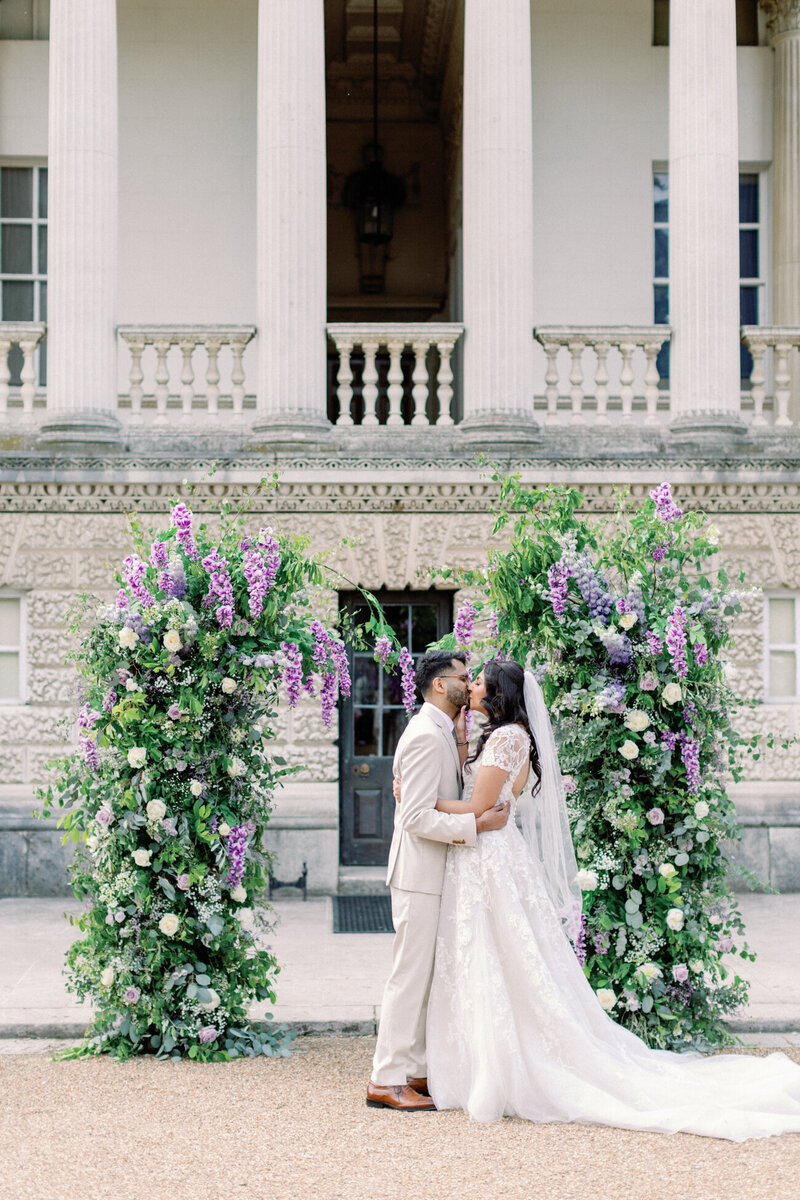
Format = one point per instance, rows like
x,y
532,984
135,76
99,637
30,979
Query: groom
x,y
428,761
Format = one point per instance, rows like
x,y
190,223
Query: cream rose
x,y
650,971
637,720
107,977
236,767
228,685
128,638
196,787
137,756
587,879
156,809
142,857
667,870
628,620
675,919
696,965
701,810
169,924
172,641
224,829
672,693
607,998
238,895
92,842
629,750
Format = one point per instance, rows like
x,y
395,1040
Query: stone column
x,y
704,218
291,222
498,221
784,26
82,235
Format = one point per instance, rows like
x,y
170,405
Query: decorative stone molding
x,y
783,16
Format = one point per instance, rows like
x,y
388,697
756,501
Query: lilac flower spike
x,y
465,619
220,588
134,571
236,849
292,672
666,508
676,640
383,650
260,562
181,519
409,685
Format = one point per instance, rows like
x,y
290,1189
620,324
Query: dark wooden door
x,y
371,720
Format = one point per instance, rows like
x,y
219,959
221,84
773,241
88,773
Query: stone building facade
x,y
213,314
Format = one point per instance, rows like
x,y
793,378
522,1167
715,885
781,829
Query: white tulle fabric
x,y
515,1029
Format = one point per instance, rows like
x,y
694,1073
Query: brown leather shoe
x,y
420,1086
401,1097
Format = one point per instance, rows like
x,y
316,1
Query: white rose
x,y
672,693
607,998
209,1005
236,767
169,924
587,879
228,685
128,638
628,620
156,809
132,686
650,971
137,756
196,787
701,810
142,857
107,976
246,917
629,750
172,641
92,842
224,829
667,870
238,894
675,918
637,720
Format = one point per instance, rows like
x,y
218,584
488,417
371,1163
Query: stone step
x,y
362,881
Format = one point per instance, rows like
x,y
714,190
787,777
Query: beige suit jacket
x,y
427,761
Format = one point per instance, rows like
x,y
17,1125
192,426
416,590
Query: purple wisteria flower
x,y
408,682
220,588
690,753
602,942
690,713
292,672
465,619
670,739
701,654
309,687
655,816
158,555
172,579
666,508
236,849
676,640
131,995
339,659
109,700
594,589
86,738
558,577
122,598
383,649
134,571
260,563
327,698
579,945
207,1034
653,642
181,520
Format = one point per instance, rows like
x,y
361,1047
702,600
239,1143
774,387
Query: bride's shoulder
x,y
507,733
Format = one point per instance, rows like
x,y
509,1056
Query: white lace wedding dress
x,y
514,1027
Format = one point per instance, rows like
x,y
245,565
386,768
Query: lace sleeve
x,y
507,748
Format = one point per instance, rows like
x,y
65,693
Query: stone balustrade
x,y
600,374
189,368
393,373
18,374
775,376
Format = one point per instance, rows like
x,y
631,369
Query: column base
x,y
723,428
80,430
501,430
288,432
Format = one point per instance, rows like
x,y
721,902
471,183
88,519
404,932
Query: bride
x,y
514,1028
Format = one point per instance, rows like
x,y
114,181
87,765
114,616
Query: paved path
x,y
333,982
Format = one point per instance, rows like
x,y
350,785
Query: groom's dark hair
x,y
433,663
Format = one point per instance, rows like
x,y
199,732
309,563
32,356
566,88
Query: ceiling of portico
x,y
414,42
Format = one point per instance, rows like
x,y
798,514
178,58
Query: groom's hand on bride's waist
x,y
493,818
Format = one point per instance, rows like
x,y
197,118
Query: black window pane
x,y
748,200
16,249
424,627
365,681
16,192
43,192
397,619
748,253
394,722
746,22
365,731
15,364
661,254
42,250
392,687
662,362
661,304
17,301
745,364
661,196
748,305
42,301
660,22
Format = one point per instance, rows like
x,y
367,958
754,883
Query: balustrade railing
x,y
185,367
600,374
18,375
392,373
774,397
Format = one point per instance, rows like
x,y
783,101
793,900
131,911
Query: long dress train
x,y
514,1028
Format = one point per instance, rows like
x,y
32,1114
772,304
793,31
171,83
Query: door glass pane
x,y
661,254
748,199
392,687
424,628
748,254
365,730
746,22
9,621
16,192
748,305
782,673
394,722
9,676
365,681
17,301
42,250
661,196
781,622
661,304
16,250
43,192
397,619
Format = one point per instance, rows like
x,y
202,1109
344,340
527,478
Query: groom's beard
x,y
458,695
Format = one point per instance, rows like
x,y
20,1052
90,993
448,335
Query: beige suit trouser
x,y
400,1052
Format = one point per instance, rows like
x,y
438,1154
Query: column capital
x,y
783,16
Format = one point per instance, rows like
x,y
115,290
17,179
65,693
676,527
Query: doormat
x,y
362,914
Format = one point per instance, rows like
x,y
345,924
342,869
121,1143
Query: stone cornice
x,y
783,16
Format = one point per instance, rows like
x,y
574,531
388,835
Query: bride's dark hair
x,y
505,705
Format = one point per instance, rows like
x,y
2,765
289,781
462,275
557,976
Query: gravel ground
x,y
298,1128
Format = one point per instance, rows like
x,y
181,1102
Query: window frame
x,y
769,646
36,277
20,649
